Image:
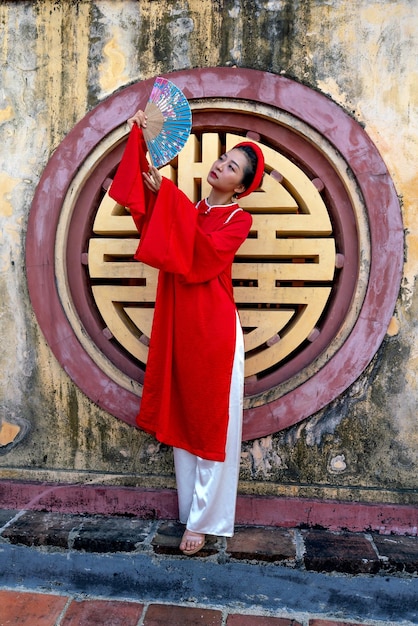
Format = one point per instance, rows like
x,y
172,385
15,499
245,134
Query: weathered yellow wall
x,y
60,59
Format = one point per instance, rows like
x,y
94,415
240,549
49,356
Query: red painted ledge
x,y
251,510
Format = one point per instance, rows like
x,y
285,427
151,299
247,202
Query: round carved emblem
x,y
304,280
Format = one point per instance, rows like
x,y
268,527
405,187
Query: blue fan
x,y
169,122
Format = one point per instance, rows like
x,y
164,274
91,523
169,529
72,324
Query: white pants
x,y
207,490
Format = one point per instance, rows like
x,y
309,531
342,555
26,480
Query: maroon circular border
x,y
329,120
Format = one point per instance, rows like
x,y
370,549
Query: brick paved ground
x,y
46,535
34,609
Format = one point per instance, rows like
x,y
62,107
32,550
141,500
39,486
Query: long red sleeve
x,y
127,187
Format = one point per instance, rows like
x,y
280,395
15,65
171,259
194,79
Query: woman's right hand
x,y
139,118
152,179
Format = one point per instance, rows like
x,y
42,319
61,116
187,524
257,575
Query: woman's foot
x,y
192,542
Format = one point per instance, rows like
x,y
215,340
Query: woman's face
x,y
227,172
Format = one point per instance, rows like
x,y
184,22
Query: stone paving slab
x,y
6,515
263,544
350,553
400,553
97,533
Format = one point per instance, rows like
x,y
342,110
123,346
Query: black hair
x,y
251,168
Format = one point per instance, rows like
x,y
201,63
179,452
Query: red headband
x,y
258,176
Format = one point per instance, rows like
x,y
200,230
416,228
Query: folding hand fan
x,y
169,122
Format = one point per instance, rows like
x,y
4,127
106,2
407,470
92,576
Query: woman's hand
x,y
152,179
139,118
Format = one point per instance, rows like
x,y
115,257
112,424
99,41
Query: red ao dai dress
x,y
193,388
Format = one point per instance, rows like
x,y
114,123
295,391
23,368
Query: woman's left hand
x,y
152,179
138,118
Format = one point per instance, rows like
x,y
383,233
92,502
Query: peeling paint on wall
x,y
7,184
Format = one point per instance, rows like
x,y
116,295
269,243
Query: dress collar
x,y
206,208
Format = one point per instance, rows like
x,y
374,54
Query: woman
x,y
193,388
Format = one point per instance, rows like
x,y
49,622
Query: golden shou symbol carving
x,y
282,275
